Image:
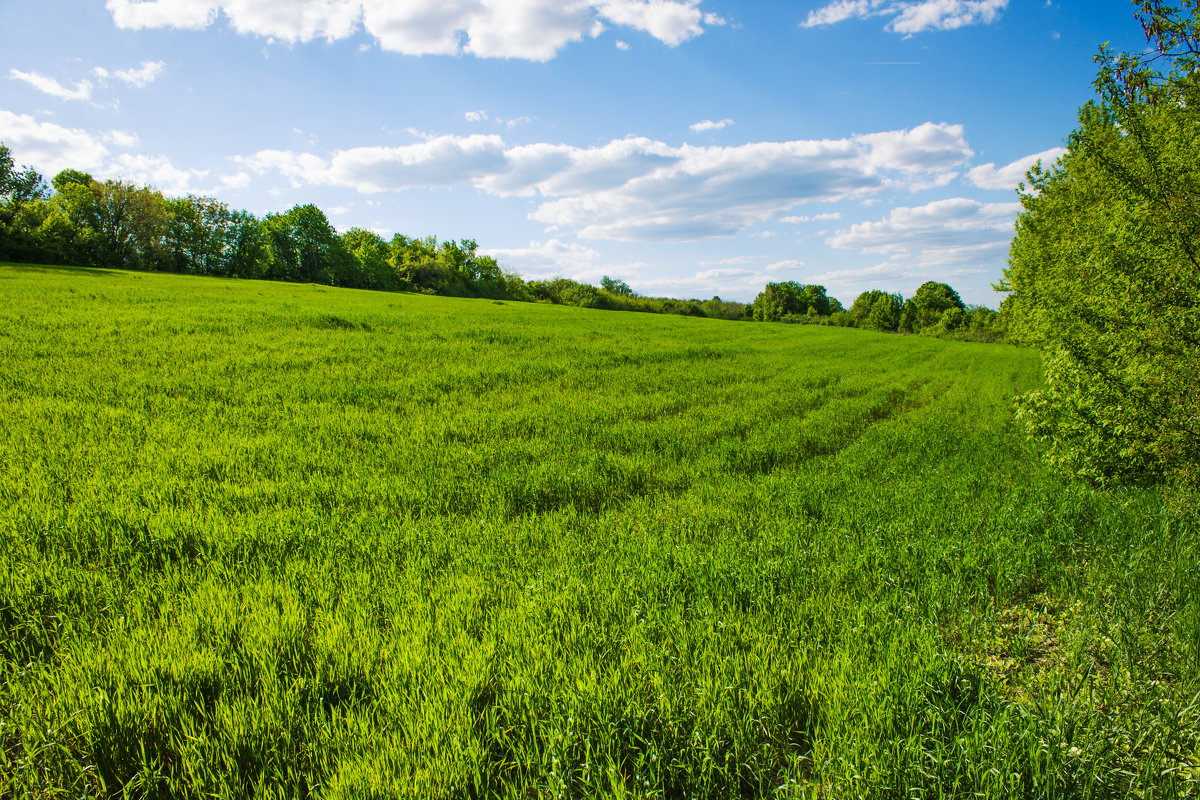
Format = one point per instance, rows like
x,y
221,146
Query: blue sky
x,y
691,147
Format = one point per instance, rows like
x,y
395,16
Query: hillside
x,y
290,540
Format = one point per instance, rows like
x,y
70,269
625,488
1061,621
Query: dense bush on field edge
x,y
1104,273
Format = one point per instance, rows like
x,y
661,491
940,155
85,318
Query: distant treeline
x,y
934,310
79,220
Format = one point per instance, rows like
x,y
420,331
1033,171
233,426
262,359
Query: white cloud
x,y
236,181
515,121
840,11
989,176
441,161
156,171
787,265
718,191
622,45
638,189
48,147
530,29
945,15
710,125
122,138
723,274
140,78
137,14
815,218
670,22
926,148
731,261
81,91
544,259
941,232
51,148
910,17
476,116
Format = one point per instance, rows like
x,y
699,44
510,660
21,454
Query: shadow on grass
x,y
54,269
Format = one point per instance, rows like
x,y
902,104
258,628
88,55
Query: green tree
x,y
779,300
117,224
1104,274
373,257
615,286
877,309
23,209
304,247
931,300
199,235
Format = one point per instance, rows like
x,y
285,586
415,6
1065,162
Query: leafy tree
x,y
373,256
931,300
778,300
19,186
304,247
198,235
416,263
1104,273
247,256
615,286
117,224
877,309
22,208
885,312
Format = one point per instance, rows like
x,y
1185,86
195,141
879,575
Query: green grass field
x,y
266,540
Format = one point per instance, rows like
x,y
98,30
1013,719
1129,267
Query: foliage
x,y
296,541
778,300
877,310
204,236
1104,274
615,286
932,300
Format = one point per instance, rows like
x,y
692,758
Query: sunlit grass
x,y
276,540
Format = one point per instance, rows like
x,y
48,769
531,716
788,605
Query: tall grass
x,y
270,540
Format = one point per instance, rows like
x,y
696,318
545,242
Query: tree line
x,y
934,309
77,219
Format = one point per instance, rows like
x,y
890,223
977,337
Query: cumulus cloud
x,y
942,232
798,220
639,189
122,138
440,161
50,148
989,176
82,90
718,191
156,171
710,125
787,265
476,116
910,17
531,29
544,259
141,77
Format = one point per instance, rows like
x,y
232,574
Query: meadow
x,y
269,540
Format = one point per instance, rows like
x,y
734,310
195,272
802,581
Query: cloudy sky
x,y
691,147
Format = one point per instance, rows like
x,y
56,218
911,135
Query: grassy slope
x,y
269,539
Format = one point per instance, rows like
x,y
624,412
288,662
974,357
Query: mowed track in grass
x,y
275,540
